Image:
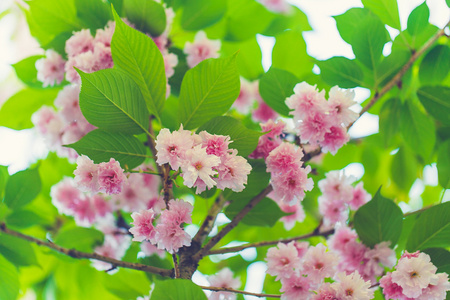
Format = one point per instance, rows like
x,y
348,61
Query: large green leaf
x,y
387,10
440,258
128,284
390,65
378,220
9,278
350,21
23,218
368,42
101,145
265,214
22,187
17,251
432,229
93,13
26,71
418,19
138,55
208,90
417,129
341,71
436,100
198,14
79,238
435,65
404,168
289,53
244,140
177,289
443,164
16,112
275,86
111,100
249,57
389,119
147,15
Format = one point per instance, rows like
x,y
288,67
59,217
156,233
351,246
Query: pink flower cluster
x,y
224,279
50,69
415,277
302,271
86,209
355,256
106,177
270,140
168,234
205,160
337,195
65,126
202,48
319,121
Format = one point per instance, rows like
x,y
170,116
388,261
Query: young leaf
x,y
101,145
138,55
244,140
148,16
435,65
389,119
17,251
93,13
9,277
177,289
79,238
432,229
378,220
110,100
21,188
275,86
435,99
387,10
341,71
443,165
208,90
418,19
404,168
349,22
265,214
198,14
249,58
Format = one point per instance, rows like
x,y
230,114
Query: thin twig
x,y
175,266
269,243
213,241
83,255
417,211
222,289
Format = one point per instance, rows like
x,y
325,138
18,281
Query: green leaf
x,y
199,14
17,251
418,19
177,289
368,42
138,55
101,145
387,10
156,261
404,169
23,218
341,71
127,284
148,16
389,119
22,187
432,229
111,100
244,140
443,164
436,100
249,57
289,53
265,214
350,21
58,43
440,258
435,65
16,112
4,176
208,90
378,220
26,71
79,238
9,277
295,19
390,65
93,13
417,129
275,86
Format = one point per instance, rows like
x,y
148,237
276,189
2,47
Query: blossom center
x,y
198,166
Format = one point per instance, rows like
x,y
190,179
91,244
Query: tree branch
x,y
269,243
83,255
213,241
222,289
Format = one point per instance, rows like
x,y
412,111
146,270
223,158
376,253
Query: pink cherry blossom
x,y
86,174
305,100
352,287
246,98
391,290
436,291
50,70
275,128
110,177
233,172
342,236
263,112
319,264
179,212
377,258
171,237
114,246
143,228
282,261
49,125
334,139
295,287
282,158
67,102
302,248
325,292
291,185
198,164
134,195
149,249
337,186
224,278
333,211
313,127
339,103
215,144
80,42
104,35
202,48
297,214
64,194
360,197
170,62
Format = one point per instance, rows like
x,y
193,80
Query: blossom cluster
x,y
224,279
205,160
338,194
303,269
415,277
321,122
168,233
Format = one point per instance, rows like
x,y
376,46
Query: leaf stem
x,y
222,289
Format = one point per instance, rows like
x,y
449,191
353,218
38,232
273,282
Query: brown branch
x,y
214,240
175,266
222,289
396,79
269,243
83,255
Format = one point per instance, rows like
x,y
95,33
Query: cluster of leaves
x,y
414,121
